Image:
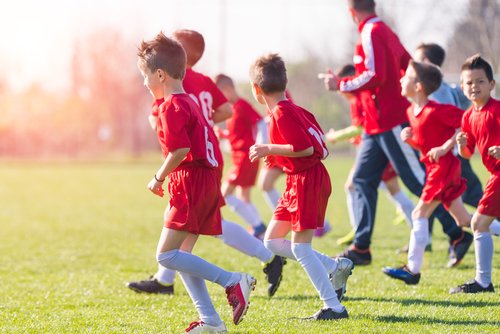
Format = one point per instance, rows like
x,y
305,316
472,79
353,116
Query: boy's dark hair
x,y
476,62
269,73
429,76
433,52
192,42
222,80
367,6
163,53
346,71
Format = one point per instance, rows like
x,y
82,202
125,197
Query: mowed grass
x,y
72,235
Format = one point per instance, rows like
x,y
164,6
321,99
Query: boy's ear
x,y
161,74
492,85
257,88
419,87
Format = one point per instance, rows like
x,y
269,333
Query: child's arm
x,y
262,150
406,136
494,151
437,152
463,150
222,113
352,131
153,120
171,162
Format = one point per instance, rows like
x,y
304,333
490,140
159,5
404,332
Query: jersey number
x,y
210,151
315,133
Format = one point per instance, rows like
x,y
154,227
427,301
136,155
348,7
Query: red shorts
x,y
305,199
489,204
195,201
443,181
389,172
243,173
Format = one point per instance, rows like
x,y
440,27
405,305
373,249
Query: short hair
x,y
346,71
222,80
433,52
192,42
429,76
367,6
476,62
269,73
163,53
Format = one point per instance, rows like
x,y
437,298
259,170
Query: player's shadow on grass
x,y
288,297
425,320
410,302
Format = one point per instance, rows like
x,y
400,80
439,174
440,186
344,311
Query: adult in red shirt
x,y
380,60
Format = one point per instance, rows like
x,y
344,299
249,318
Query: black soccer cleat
x,y
328,314
151,285
358,257
471,286
459,248
274,274
403,273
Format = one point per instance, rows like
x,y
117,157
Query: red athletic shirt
x,y
242,126
180,125
291,124
433,125
483,129
380,60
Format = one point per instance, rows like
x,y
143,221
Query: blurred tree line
x,y
105,111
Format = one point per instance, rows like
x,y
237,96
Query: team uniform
x,y
483,130
307,184
433,125
195,197
242,130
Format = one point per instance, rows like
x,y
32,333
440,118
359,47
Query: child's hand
x,y
494,151
330,136
406,134
461,139
156,187
330,80
435,153
258,151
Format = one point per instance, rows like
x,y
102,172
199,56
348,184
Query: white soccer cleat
x,y
339,277
201,327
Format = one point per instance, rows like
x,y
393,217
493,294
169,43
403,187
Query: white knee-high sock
x,y
242,210
236,236
495,227
350,200
196,266
317,274
405,204
254,210
272,197
419,238
165,276
283,247
198,292
483,243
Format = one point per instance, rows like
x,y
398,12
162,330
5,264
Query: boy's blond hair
x,y
269,73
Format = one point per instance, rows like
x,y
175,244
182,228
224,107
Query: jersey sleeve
x,y
217,96
471,140
175,120
451,116
293,133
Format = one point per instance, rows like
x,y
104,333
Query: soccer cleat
x,y
259,231
347,239
357,256
321,231
403,273
238,296
339,277
458,249
471,286
201,327
328,314
274,274
151,285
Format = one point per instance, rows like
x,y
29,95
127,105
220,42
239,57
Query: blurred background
x,y
70,88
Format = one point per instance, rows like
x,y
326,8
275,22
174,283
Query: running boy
x,y
191,156
481,127
296,143
431,127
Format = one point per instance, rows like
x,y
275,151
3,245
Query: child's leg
x,y
483,243
350,198
419,234
400,198
267,179
239,206
459,212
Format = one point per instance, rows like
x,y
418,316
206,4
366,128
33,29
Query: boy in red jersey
x,y
431,127
241,132
215,108
191,160
481,128
296,143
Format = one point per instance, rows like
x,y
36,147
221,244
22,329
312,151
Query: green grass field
x,y
72,235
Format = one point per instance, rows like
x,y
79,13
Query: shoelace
x,y
194,324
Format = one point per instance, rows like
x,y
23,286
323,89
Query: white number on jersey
x,y
316,134
210,150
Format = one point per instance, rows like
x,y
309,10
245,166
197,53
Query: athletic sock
x,y
272,197
165,276
405,204
419,237
318,275
243,210
350,196
235,236
483,244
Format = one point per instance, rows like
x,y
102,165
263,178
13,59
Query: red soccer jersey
x,y
433,125
380,60
242,126
291,124
483,129
181,125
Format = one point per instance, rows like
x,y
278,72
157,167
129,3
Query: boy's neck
x,y
175,87
420,100
481,104
272,100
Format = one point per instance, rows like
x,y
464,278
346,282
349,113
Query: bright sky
x,y
36,37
